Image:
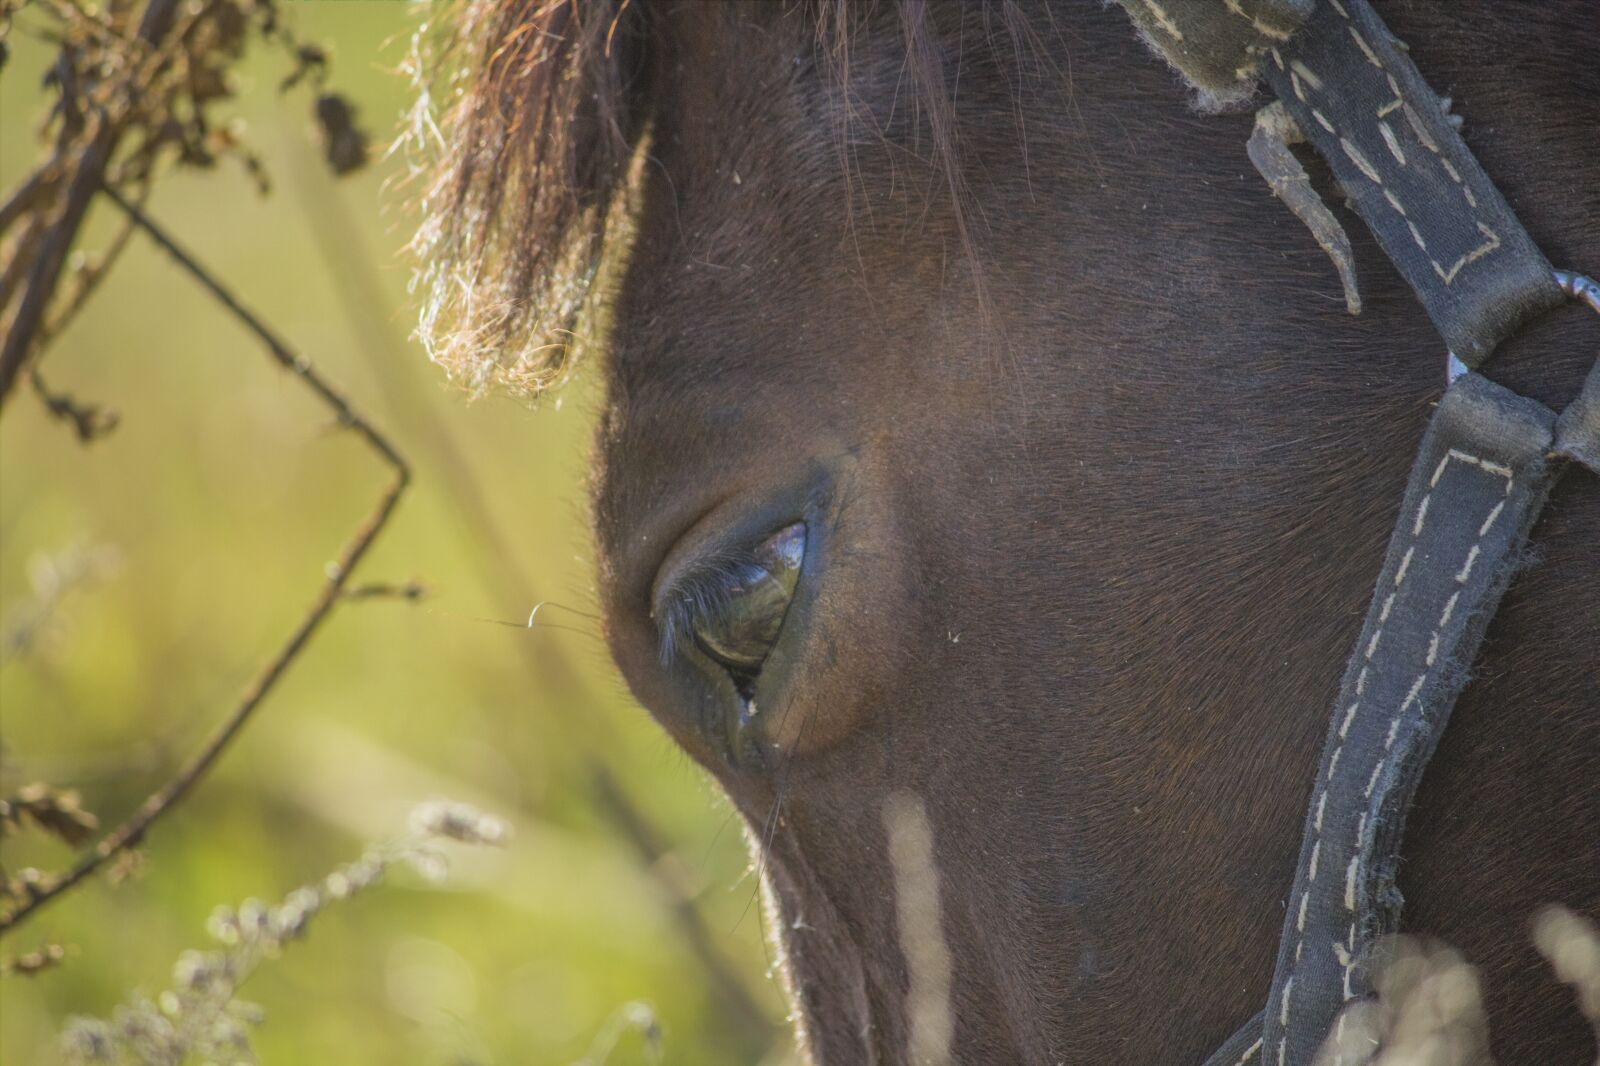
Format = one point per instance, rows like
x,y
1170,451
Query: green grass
x,y
224,494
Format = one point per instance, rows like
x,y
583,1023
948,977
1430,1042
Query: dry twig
x,y
387,590
30,963
88,174
153,87
131,831
89,421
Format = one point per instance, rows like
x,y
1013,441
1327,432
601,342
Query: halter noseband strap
x,y
1487,463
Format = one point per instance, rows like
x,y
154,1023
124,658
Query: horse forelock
x,y
548,111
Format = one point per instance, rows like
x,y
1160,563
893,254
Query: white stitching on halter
x,y
1301,76
1346,952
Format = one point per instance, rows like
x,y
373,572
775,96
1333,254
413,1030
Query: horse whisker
x,y
542,604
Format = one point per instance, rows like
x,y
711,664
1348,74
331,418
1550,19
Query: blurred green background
x,y
201,528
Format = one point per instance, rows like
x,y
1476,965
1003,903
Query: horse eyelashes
x,y
732,607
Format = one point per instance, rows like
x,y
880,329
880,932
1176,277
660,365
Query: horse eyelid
x,y
710,586
694,597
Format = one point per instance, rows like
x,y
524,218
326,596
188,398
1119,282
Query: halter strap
x,y
1484,471
1479,481
1357,97
1485,468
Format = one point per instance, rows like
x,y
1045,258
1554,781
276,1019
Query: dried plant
x,y
1429,1012
200,1017
53,578
52,810
630,1017
1570,943
1429,1009
34,962
136,89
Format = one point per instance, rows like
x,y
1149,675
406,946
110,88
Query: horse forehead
x,y
731,315
682,420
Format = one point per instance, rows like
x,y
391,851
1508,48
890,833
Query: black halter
x,y
1487,464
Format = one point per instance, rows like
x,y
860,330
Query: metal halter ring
x,y
1579,287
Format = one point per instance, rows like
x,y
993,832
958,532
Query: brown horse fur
x,y
1096,470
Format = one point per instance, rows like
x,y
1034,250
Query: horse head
x,y
990,483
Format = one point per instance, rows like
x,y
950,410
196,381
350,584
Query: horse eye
x,y
740,627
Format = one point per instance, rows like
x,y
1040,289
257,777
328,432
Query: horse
x,y
990,484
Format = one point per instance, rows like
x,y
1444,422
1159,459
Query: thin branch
x,y
285,357
29,194
87,281
133,830
387,590
89,421
21,254
86,180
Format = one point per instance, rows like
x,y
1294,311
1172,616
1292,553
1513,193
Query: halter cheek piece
x,y
1486,466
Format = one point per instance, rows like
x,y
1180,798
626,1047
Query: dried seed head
x,y
254,922
87,1040
289,919
1571,945
223,925
429,863
458,821
197,970
247,1012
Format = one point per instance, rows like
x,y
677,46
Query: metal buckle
x,y
1577,286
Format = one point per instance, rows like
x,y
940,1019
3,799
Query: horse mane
x,y
546,103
